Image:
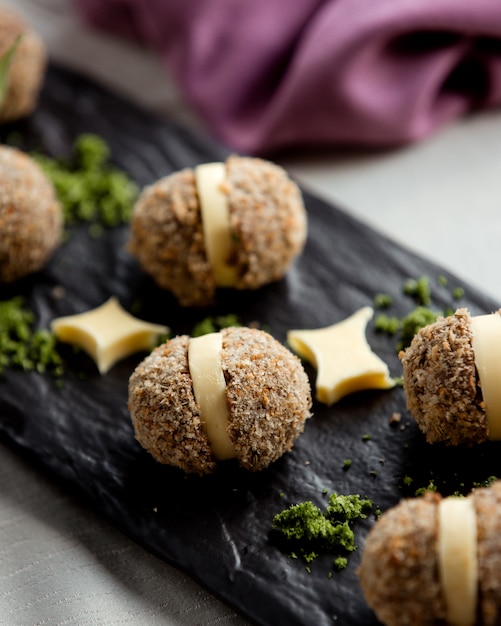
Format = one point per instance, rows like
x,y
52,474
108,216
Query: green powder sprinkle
x,y
382,301
430,487
487,482
340,562
419,288
307,524
420,317
21,345
389,324
309,532
350,507
215,324
89,188
423,313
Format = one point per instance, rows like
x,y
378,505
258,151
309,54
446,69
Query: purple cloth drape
x,y
268,74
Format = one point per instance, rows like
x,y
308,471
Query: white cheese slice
x,y
210,180
107,333
486,344
457,559
344,360
209,387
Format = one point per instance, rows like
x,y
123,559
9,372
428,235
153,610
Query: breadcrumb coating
x,y
164,411
167,239
27,70
399,567
268,228
268,395
268,220
30,216
441,383
487,503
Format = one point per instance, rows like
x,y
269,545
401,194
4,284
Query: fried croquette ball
x,y
27,68
237,224
441,382
262,396
30,216
434,560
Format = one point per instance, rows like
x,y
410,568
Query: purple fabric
x,y
269,74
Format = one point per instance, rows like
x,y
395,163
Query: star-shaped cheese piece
x,y
344,360
107,333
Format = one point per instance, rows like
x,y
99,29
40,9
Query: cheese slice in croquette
x,y
344,360
209,387
210,179
457,559
107,333
486,342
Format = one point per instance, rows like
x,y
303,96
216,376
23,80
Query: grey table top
x,y
63,565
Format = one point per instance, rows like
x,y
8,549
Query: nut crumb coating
x,y
27,69
30,216
167,239
268,395
399,567
164,411
441,382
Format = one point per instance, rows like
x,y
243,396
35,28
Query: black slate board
x,y
218,528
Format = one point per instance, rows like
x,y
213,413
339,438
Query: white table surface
x,y
61,564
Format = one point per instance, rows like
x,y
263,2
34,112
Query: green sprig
x,y
5,63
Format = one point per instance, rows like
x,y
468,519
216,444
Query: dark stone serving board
x,y
218,528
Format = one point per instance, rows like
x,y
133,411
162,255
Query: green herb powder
x,y
309,532
89,188
21,345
